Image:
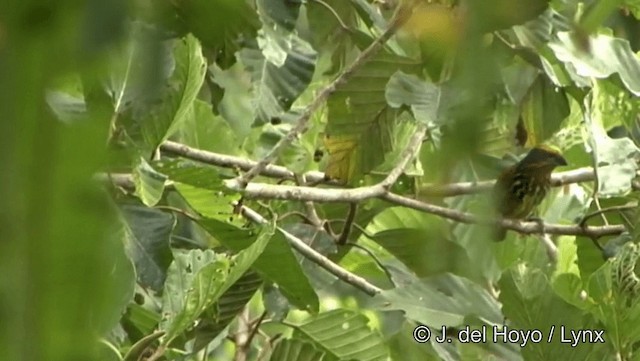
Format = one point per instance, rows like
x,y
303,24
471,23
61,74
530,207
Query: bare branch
x,y
270,191
411,150
600,211
316,257
229,161
518,226
457,189
346,229
428,190
302,193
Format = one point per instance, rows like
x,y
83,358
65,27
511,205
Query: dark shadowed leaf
x,y
148,232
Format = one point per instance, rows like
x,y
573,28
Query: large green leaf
x,y
148,232
420,241
151,113
293,283
616,159
296,350
360,122
543,109
197,279
424,98
606,55
204,130
183,86
220,25
281,67
193,280
442,300
345,335
230,304
191,173
149,183
529,303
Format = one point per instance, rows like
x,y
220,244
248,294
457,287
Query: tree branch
x,y
518,226
316,257
456,189
283,192
427,190
302,122
229,161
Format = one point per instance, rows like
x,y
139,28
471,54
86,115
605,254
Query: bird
x,y
520,188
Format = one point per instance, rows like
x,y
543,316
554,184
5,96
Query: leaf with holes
x,y
345,335
197,279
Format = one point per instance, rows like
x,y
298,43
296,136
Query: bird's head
x,y
543,157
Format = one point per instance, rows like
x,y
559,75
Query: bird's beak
x,y
561,161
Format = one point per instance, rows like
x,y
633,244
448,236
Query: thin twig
x,y
229,161
597,212
316,257
179,211
346,229
159,352
302,122
240,338
374,258
335,14
255,326
515,225
312,214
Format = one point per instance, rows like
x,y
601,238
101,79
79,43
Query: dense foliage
x,y
307,180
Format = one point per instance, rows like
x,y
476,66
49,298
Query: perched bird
x,y
522,187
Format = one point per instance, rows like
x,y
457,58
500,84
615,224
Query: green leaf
x,y
66,107
148,232
615,288
529,303
614,55
185,82
424,98
139,321
204,130
566,281
220,25
279,13
345,335
149,183
441,300
543,109
197,279
616,159
191,173
295,350
193,282
360,123
293,283
280,71
425,247
219,316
